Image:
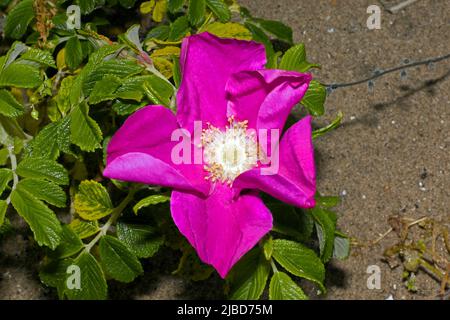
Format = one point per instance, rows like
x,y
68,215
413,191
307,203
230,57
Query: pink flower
x,y
215,203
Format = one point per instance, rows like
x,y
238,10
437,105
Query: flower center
x,y
229,153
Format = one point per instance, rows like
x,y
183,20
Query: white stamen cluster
x,y
229,153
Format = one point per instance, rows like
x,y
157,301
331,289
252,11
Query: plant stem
x,y
274,267
112,219
13,160
401,6
435,271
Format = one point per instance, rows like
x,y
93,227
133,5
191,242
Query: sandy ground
x,y
375,160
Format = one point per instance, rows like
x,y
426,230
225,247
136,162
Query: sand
x,y
376,160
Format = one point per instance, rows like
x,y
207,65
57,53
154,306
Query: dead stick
x,y
401,5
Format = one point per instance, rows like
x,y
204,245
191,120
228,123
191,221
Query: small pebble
x,y
331,30
424,174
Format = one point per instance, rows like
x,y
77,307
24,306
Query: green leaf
x,y
18,19
3,208
327,201
69,245
290,221
341,249
272,61
84,131
40,168
9,105
20,75
131,38
268,248
160,10
120,68
176,71
295,59
3,155
92,201
93,284
325,227
282,287
45,144
40,56
149,201
87,6
84,229
220,9
160,32
104,53
158,90
299,260
63,97
178,29
143,240
44,190
277,28
259,36
119,262
73,53
132,88
249,276
196,12
124,108
82,83
17,48
174,5
314,98
63,138
10,128
42,221
230,30
104,89
5,177
333,125
54,274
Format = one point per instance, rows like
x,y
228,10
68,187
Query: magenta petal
x,y
221,229
148,130
140,151
265,97
295,181
143,168
206,64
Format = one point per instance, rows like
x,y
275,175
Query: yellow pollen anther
x,y
230,152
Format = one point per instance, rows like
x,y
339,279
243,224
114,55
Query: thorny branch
x,y
379,73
